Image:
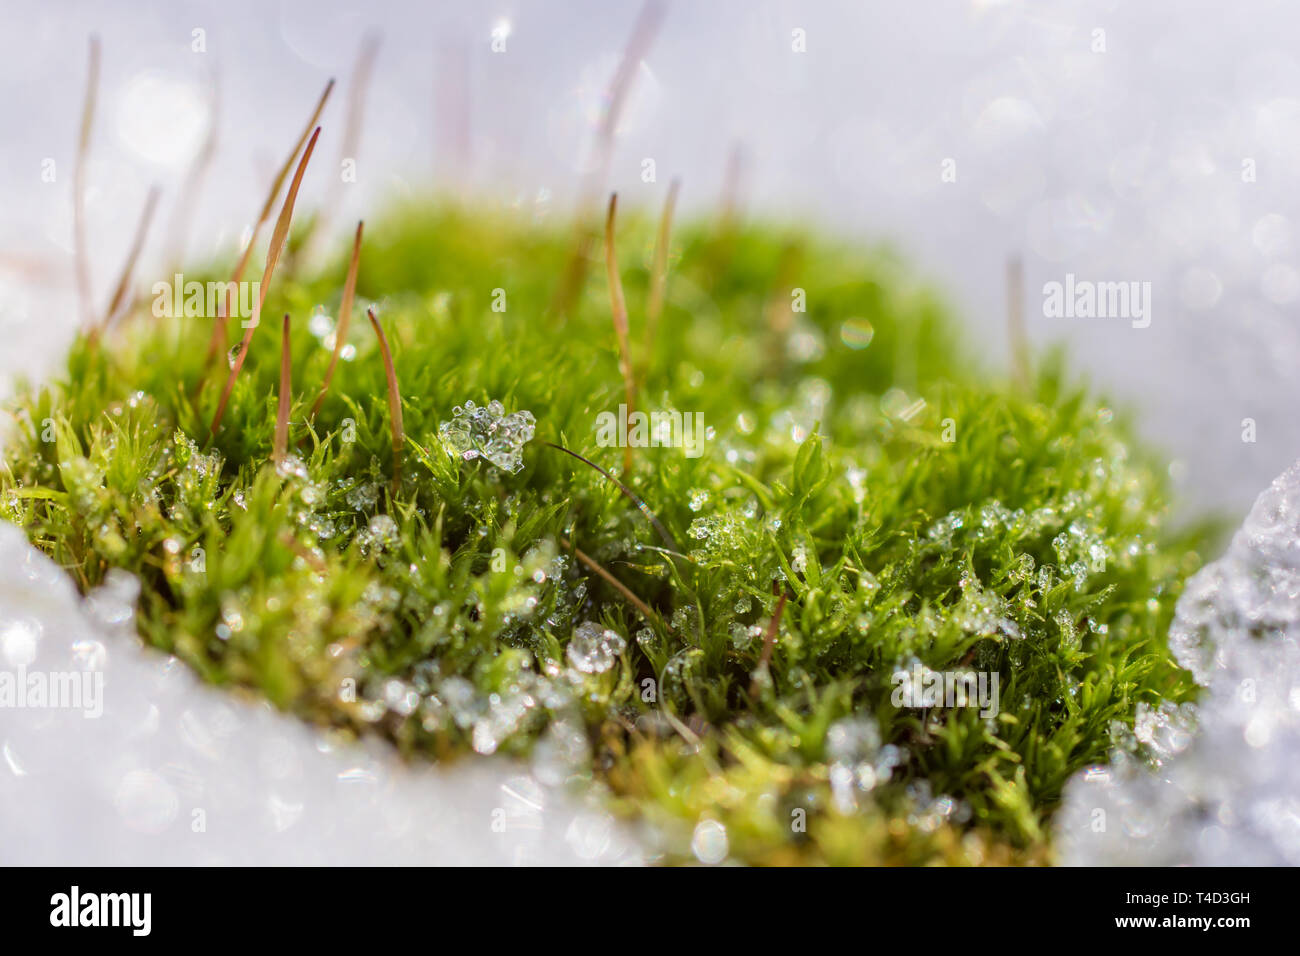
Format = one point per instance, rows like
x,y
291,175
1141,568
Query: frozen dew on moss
x,y
291,466
943,530
931,812
400,697
983,612
743,637
594,649
363,496
380,533
504,715
488,432
720,533
857,760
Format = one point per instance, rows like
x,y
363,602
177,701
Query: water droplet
x,y
709,842
857,333
594,649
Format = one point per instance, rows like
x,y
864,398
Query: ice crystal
x,y
594,649
488,432
381,533
857,760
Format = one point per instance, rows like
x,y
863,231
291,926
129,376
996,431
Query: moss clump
x,y
861,473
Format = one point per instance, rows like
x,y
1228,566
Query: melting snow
x,y
1228,792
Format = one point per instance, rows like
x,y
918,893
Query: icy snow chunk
x,y
488,432
1235,608
1227,792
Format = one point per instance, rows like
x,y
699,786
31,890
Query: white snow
x,y
177,772
1230,794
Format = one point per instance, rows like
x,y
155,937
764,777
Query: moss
x,y
863,473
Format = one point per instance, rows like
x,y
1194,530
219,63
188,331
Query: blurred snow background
x,y
1152,142
1119,165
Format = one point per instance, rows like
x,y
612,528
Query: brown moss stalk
x,y
349,145
659,274
769,639
217,342
638,45
187,199
650,616
120,301
278,239
620,85
345,319
394,403
780,313
627,493
281,446
618,312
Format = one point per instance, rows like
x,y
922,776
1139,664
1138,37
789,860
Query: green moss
x,y
860,460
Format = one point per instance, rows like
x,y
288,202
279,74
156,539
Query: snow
x,y
174,772
1230,793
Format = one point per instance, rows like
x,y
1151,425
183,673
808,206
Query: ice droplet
x,y
709,842
320,325
857,760
380,533
594,649
291,466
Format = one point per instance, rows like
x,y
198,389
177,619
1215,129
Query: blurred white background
x,y
1114,164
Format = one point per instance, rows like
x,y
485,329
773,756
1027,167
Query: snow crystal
x,y
594,649
488,432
